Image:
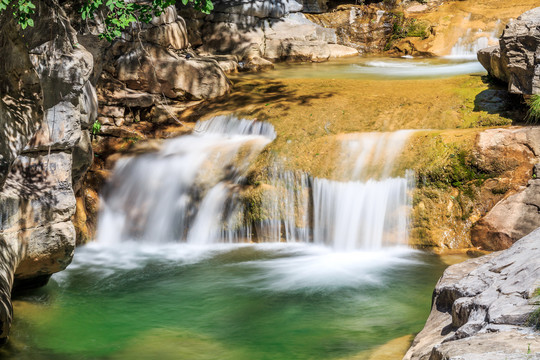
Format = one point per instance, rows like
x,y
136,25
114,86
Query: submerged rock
x,y
482,308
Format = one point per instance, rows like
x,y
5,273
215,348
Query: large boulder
x,y
482,308
517,58
506,151
154,69
509,220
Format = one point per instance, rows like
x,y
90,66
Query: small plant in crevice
x,y
96,127
533,114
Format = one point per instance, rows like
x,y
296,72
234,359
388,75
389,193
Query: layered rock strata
x,y
485,308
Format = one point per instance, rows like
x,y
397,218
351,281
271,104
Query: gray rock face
x,y
272,29
47,147
517,58
20,96
481,308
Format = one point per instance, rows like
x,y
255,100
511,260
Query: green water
x,y
266,301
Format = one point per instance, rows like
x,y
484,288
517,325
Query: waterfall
x,y
192,190
471,42
182,192
368,209
361,215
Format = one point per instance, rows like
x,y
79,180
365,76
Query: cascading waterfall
x,y
191,191
368,209
471,42
188,190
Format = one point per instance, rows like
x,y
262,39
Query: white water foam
x,y
180,193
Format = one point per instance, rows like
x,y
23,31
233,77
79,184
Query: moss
x,y
406,27
534,318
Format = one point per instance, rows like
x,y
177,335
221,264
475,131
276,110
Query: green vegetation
x,y
534,318
96,127
118,14
22,10
404,27
533,114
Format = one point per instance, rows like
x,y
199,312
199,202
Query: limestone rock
x,y
517,59
258,8
50,252
154,69
491,60
173,35
364,28
21,103
291,37
40,167
481,306
509,220
502,150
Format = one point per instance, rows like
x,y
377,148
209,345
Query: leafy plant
x,y
533,114
22,10
118,14
96,127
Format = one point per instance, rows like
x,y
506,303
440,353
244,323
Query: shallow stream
x,y
265,301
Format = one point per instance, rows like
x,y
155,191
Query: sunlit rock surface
x,y
481,308
48,149
515,60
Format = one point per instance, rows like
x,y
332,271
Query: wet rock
x,y
481,307
516,59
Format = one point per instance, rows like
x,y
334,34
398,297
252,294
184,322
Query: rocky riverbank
x,y
485,308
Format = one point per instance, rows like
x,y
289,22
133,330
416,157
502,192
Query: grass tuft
x,y
533,114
